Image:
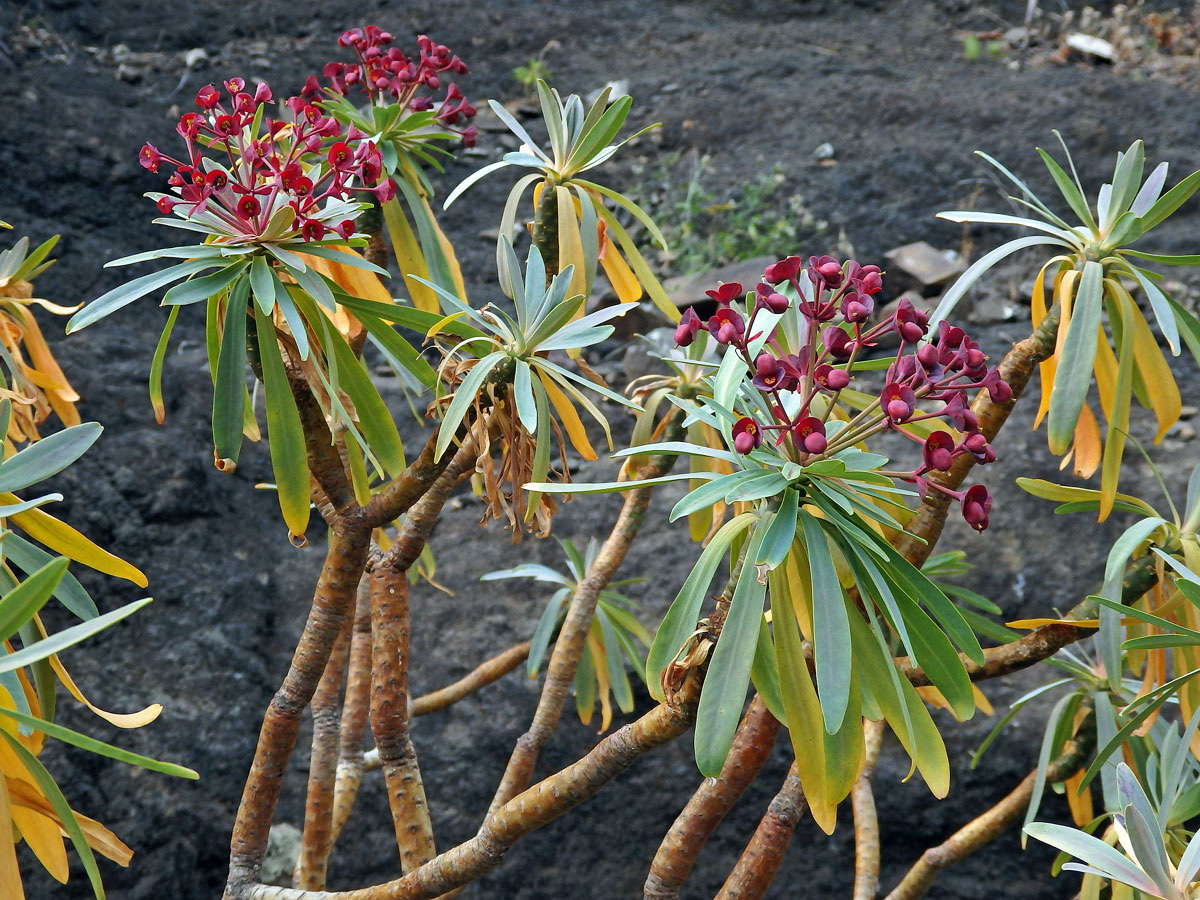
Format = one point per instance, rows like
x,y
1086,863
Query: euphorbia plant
x,y
783,400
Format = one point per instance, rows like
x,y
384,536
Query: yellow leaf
x,y
443,322
600,664
570,245
1079,801
44,838
1063,292
982,703
1087,446
414,179
1038,623
10,875
1156,375
409,259
624,283
121,720
62,538
1106,373
97,836
569,417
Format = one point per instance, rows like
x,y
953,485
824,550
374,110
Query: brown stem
x,y
325,464
423,515
492,670
710,803
917,540
1043,642
344,560
572,637
530,810
866,820
394,499
317,842
756,868
979,831
389,716
354,713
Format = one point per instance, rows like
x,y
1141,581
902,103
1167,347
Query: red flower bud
x,y
770,299
747,435
939,451
726,326
345,229
830,378
809,433
688,328
165,205
976,505
898,402
825,271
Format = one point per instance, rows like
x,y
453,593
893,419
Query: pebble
x,y
195,58
824,151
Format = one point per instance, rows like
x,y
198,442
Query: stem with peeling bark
x,y
866,819
317,842
680,847
759,862
985,828
335,591
530,810
354,713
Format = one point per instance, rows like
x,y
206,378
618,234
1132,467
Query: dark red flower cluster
x,y
384,71
836,303
258,172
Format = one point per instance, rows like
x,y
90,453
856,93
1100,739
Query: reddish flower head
x,y
770,374
208,97
910,322
768,298
747,435
976,505
830,378
824,271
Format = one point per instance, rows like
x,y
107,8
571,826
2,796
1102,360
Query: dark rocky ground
x,y
754,84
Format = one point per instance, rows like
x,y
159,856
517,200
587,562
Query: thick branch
x,y
394,499
317,841
572,637
530,810
1017,367
354,713
710,803
756,868
866,820
324,461
978,832
389,716
335,591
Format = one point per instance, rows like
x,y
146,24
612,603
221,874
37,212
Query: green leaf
x,y
1171,201
777,542
1069,190
1093,851
156,366
831,628
74,738
131,290
764,674
728,677
68,637
20,604
263,284
29,558
542,635
541,450
49,456
229,378
196,290
464,396
680,620
289,458
374,418
1073,375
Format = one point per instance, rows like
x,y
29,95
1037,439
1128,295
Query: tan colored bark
x,y
866,819
355,711
755,870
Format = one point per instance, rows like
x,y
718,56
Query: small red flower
x,y
830,378
249,206
747,435
726,326
898,402
809,433
225,126
165,205
312,230
910,322
216,179
939,451
208,97
769,373
976,506
769,298
824,271
687,329
726,293
150,158
340,156
345,229
784,270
